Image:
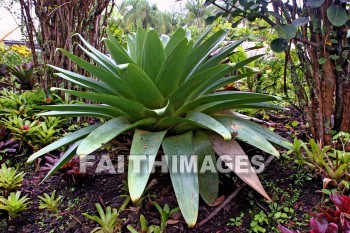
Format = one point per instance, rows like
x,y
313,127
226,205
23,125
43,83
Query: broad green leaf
x,y
105,63
200,54
140,40
143,88
201,37
286,31
93,108
222,82
322,60
263,131
106,91
65,158
103,58
212,108
208,176
175,39
248,103
67,114
228,150
144,149
185,182
153,55
107,132
131,47
195,119
276,15
240,96
314,3
102,74
337,15
219,56
169,76
278,45
247,135
193,87
70,138
100,58
340,171
117,53
338,68
111,37
209,123
130,107
261,105
301,21
87,82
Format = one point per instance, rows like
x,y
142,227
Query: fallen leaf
x,y
218,201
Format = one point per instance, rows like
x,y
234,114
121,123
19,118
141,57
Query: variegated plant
x,y
163,90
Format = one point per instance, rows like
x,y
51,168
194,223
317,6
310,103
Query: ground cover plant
x,y
167,101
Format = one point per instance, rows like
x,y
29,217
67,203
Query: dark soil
x,y
81,193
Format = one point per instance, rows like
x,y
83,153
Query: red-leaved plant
x,y
329,220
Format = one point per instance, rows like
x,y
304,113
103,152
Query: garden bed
x,y
289,185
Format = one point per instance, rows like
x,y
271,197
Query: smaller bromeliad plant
x,y
108,220
144,228
10,179
165,213
14,204
36,133
331,164
24,75
49,203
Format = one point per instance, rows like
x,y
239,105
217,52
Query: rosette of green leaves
x,y
163,90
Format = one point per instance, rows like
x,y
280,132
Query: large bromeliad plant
x,y
164,90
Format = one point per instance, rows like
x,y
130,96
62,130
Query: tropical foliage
x,y
14,204
10,179
317,32
163,89
108,220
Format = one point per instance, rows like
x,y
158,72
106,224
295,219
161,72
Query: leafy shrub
x,y
10,57
23,103
35,133
17,114
164,90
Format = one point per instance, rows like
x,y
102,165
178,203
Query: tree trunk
x,y
59,21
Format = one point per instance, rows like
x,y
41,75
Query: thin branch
x,y
217,210
314,44
58,8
